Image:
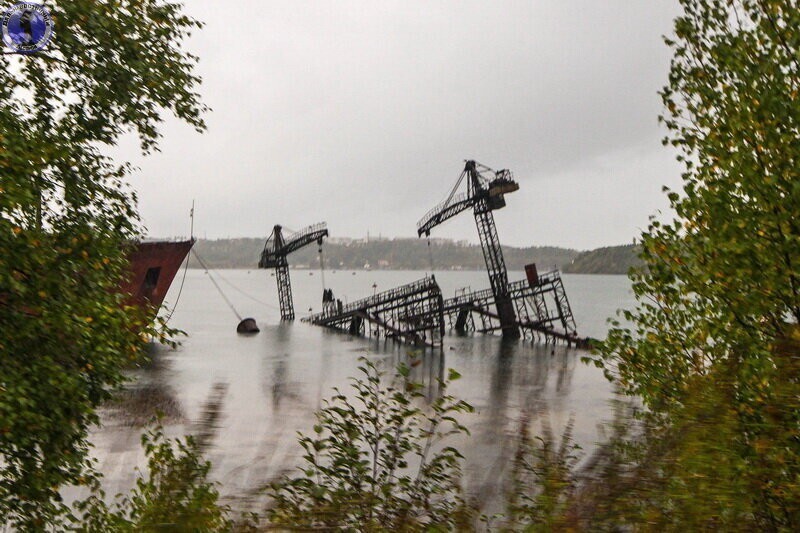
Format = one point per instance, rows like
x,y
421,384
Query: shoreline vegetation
x,y
413,254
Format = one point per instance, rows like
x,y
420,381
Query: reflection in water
x,y
427,369
526,383
209,423
565,371
499,384
278,379
547,379
276,376
137,405
149,394
153,390
278,383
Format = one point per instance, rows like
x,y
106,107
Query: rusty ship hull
x,y
153,266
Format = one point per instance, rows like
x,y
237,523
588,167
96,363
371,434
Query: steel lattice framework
x,y
485,193
513,308
412,313
275,254
417,313
542,309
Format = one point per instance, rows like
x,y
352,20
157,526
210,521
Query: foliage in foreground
x,y
376,461
714,346
65,219
175,495
693,473
543,479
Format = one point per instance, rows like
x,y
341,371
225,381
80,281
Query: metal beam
x,y
413,313
535,319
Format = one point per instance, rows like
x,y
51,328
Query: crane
x,y
485,192
276,250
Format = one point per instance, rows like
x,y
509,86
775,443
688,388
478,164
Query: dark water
x,y
250,395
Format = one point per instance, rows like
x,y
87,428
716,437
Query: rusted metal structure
x,y
275,255
485,192
412,313
536,307
542,310
152,265
512,308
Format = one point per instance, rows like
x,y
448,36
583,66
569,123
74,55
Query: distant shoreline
x,y
329,270
416,255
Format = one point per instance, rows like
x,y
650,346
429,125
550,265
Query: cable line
x,y
221,293
245,294
430,255
185,267
180,291
321,267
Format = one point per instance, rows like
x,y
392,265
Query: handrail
x,y
465,298
441,206
305,231
290,239
426,283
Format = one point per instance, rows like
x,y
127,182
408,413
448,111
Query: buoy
x,y
247,325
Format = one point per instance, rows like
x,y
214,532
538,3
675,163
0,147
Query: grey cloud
x,y
360,114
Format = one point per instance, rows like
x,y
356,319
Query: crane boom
x,y
483,183
278,245
443,212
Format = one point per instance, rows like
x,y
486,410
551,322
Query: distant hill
x,y
414,254
387,254
608,260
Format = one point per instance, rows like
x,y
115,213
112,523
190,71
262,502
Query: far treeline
x,y
414,254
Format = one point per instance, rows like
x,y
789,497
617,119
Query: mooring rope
x,y
430,254
180,291
221,293
321,267
245,294
185,267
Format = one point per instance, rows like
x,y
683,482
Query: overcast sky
x,y
361,114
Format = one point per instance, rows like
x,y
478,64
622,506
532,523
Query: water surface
x,y
258,391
